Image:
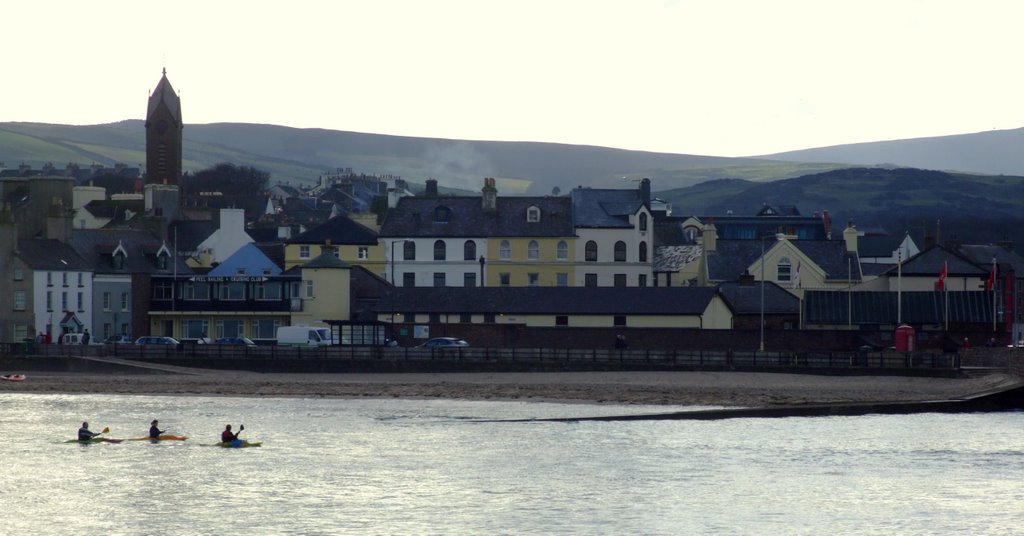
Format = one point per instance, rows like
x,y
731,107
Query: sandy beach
x,y
728,389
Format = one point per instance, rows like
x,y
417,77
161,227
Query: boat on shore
x,y
13,377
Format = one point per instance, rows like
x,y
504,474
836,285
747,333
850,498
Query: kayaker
x,y
84,434
154,432
226,436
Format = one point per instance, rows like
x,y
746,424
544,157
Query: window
x,y
124,329
81,278
469,251
161,261
784,268
505,250
18,274
643,221
233,291
435,318
363,253
409,250
20,331
125,299
533,280
195,329
619,320
240,270
19,300
106,301
590,253
620,280
303,252
64,278
562,320
488,318
439,279
265,328
469,279
162,290
643,252
620,251
267,291
230,328
562,251
80,301
49,279
409,279
440,250
309,288
49,300
533,250
195,291
590,280
118,260
642,280
63,301
562,279
442,214
504,280
533,214
267,271
329,249
465,318
107,330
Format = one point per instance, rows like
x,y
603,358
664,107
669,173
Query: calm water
x,y
422,467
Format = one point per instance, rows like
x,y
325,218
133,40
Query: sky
x,y
717,77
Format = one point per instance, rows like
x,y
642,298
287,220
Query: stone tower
x,y
163,135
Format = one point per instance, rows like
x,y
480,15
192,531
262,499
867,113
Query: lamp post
x,y
761,348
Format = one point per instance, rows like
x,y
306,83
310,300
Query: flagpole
x,y
899,287
993,279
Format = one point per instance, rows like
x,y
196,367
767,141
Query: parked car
x,y
445,342
119,339
157,340
235,341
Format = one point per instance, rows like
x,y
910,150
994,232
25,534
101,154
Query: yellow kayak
x,y
166,437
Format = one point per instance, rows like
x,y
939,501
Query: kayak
x,y
165,437
95,440
13,377
237,444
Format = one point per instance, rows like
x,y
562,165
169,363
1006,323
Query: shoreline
x,y
725,389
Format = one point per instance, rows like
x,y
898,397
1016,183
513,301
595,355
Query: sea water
x,y
331,466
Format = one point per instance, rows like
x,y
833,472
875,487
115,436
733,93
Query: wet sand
x,y
728,389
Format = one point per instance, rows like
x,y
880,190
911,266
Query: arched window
x,y
409,250
533,214
784,270
505,250
533,250
562,251
590,252
620,251
643,221
469,251
440,251
643,251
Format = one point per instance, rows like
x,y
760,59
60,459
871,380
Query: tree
x,y
228,179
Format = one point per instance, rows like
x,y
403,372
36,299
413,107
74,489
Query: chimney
x,y
431,188
710,235
489,195
59,221
1005,244
645,191
826,221
232,219
929,241
850,236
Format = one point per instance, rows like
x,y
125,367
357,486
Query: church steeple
x,y
163,134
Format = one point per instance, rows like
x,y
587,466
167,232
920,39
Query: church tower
x,y
163,135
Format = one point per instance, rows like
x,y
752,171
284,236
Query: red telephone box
x,y
905,339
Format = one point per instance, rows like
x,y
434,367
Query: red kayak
x,y
13,377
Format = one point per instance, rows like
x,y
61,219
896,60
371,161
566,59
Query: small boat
x,y
95,440
237,444
165,437
13,377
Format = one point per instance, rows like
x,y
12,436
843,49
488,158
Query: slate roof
x,y
52,255
339,230
96,247
875,269
674,258
164,93
186,235
600,208
548,300
746,299
832,257
114,209
878,245
831,307
326,260
731,258
415,217
668,231
982,256
929,263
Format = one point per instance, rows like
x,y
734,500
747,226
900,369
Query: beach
x,y
725,389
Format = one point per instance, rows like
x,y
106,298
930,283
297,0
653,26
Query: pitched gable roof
x,y
929,263
466,217
96,246
746,299
834,307
832,257
249,260
602,208
338,230
49,254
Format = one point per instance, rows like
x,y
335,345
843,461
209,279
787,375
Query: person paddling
x,y
227,437
84,434
154,431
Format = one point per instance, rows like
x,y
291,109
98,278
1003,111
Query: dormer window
x,y
240,271
118,260
161,261
533,214
442,214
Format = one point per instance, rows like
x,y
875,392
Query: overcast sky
x,y
713,77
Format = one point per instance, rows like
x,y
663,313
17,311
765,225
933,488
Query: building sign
x,y
231,279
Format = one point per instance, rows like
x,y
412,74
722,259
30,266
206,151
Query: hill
x,y
301,155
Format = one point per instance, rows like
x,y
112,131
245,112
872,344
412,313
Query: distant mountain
x,y
998,152
301,155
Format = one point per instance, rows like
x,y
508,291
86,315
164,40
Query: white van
x,y
303,336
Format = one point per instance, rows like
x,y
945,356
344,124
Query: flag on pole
x,y
941,285
991,283
796,278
